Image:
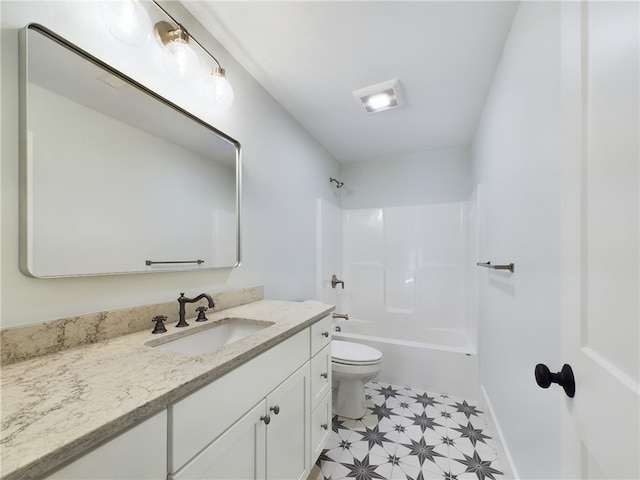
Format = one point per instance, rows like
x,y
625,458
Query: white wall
x,y
329,253
517,163
285,171
420,178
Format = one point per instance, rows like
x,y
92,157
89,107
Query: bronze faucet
x,y
182,300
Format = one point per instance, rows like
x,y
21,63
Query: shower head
x,y
337,182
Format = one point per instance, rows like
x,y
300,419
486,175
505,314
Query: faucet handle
x,y
159,328
201,316
335,281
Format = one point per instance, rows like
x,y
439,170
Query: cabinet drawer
x,y
320,426
202,416
320,334
320,375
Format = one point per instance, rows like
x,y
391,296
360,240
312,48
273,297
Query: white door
x,y
601,288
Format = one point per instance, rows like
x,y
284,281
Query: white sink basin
x,y
208,338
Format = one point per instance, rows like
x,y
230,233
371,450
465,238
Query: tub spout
x,y
344,316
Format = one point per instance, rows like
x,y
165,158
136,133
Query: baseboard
x,y
503,448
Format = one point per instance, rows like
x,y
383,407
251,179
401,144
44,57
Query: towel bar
x,y
152,262
509,267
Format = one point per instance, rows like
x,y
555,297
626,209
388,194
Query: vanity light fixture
x,y
380,97
216,89
127,21
181,62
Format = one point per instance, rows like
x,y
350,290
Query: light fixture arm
x,y
184,34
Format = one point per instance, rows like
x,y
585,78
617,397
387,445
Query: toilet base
x,y
350,399
352,366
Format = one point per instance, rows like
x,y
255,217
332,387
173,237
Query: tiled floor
x,y
410,434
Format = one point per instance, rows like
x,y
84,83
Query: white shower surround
x,y
410,288
410,265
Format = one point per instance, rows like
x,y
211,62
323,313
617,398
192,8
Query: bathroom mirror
x,y
115,178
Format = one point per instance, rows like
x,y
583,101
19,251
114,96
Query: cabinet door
x,y
288,436
139,452
238,454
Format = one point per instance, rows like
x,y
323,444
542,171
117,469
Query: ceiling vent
x,y
380,97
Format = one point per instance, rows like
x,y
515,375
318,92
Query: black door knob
x,y
564,378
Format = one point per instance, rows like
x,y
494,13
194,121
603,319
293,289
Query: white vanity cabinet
x,y
320,386
253,423
267,419
262,444
139,452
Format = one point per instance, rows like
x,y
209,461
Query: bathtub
x,y
436,360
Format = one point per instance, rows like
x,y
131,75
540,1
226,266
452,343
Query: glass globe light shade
x,y
217,90
180,62
128,21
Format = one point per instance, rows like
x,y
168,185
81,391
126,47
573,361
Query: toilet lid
x,y
354,353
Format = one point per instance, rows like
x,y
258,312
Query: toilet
x,y
352,366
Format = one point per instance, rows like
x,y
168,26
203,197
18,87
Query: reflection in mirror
x,y
115,178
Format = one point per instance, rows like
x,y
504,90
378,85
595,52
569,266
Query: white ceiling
x,y
311,56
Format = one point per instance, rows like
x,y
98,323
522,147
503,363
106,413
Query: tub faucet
x,y
182,300
344,316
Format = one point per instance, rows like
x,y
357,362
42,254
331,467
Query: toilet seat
x,y
349,353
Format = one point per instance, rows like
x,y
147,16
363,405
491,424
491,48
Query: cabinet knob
x,y
325,334
266,419
275,409
324,375
325,426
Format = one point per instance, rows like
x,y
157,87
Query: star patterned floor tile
x,y
369,420
474,435
483,469
461,419
407,433
486,451
429,470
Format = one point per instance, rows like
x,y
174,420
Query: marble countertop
x,y
57,406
